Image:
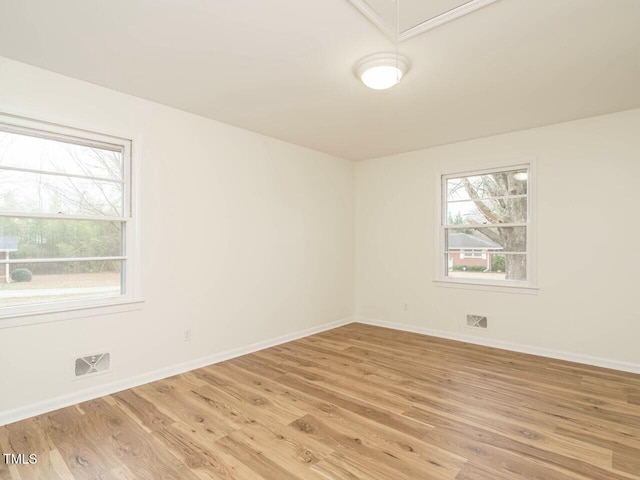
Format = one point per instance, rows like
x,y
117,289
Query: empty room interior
x,y
319,240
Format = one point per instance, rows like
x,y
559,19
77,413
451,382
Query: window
x,y
473,254
485,229
66,224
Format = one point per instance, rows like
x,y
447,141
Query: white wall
x,y
588,240
245,238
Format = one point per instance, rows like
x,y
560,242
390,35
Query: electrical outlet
x,y
186,336
405,307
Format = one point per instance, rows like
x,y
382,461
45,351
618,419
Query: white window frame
x,y
529,286
55,311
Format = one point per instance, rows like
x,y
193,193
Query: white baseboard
x,y
56,403
514,347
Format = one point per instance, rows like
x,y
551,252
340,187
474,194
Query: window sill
x,y
68,313
486,287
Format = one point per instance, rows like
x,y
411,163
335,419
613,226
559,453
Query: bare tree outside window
x,y
487,213
64,213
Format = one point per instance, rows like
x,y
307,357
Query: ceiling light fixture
x,y
382,70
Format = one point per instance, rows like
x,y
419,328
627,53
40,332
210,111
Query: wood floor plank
x,y
126,444
324,376
353,403
78,442
359,450
194,450
336,468
549,456
29,437
263,465
141,410
5,474
395,444
626,459
207,416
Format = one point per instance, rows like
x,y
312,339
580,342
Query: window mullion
x,y
60,174
57,216
507,197
12,261
485,225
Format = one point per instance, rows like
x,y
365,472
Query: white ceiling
x,y
284,67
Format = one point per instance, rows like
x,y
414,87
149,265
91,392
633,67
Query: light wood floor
x,y
357,402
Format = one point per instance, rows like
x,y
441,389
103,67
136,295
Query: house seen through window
x,y
65,218
485,226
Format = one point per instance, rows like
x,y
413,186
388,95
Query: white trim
x,y
443,18
33,128
64,311
510,346
465,167
57,128
133,213
506,286
532,220
38,408
390,30
466,284
374,17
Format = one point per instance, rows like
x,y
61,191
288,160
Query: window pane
x,y
499,184
486,239
496,266
60,281
24,151
53,238
38,193
513,210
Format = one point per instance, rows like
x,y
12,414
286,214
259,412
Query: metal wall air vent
x,y
404,19
92,364
477,321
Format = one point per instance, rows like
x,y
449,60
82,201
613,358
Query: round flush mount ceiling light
x,y
382,70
